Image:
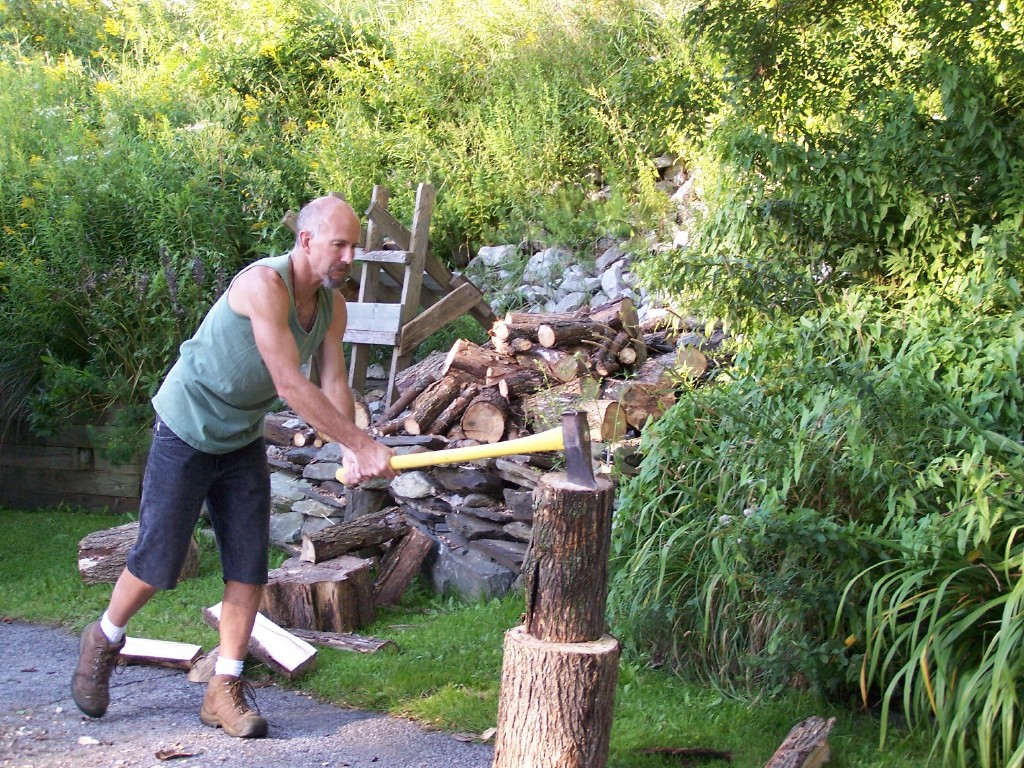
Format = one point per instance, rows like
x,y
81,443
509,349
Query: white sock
x,y
112,632
228,667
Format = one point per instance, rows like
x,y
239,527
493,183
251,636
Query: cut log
x,y
515,383
618,315
333,596
470,361
806,746
400,565
556,701
486,417
454,411
278,429
607,420
160,653
360,413
429,367
566,332
102,554
429,405
566,572
272,645
351,536
346,641
641,400
556,363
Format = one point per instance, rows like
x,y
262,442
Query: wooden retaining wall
x,y
66,469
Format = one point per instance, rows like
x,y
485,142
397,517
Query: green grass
x,y
447,672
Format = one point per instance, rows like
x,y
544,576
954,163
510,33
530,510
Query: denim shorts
x,y
178,478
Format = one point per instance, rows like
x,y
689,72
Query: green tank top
x,y
216,395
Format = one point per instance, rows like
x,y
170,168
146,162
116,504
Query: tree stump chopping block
x,y
566,571
332,596
556,701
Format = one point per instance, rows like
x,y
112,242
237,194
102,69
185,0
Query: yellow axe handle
x,y
550,440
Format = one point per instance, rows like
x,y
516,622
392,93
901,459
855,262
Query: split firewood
x,y
400,565
273,645
517,473
102,555
806,745
332,596
344,538
486,417
346,641
641,400
454,411
361,413
306,436
160,653
429,405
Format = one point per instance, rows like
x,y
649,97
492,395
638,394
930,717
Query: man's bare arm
x,y
260,294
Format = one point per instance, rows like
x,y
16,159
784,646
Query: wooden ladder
x,y
397,278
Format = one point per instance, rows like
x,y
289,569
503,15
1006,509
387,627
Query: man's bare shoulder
x,y
256,288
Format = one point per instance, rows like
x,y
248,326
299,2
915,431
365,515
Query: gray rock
x,y
330,452
286,527
313,525
470,574
413,485
326,470
314,508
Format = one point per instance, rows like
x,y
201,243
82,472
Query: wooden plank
x,y
283,651
160,653
70,482
378,215
447,310
383,257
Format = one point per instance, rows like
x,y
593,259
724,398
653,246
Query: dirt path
x,y
156,709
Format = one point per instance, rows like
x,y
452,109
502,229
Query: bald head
x,y
316,213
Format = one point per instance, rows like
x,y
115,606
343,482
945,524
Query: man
x,y
208,445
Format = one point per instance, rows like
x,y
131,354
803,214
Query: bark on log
x,y
346,641
555,703
470,361
486,417
429,405
352,536
618,315
566,573
516,383
102,554
565,332
806,745
279,429
334,596
400,565
405,399
641,400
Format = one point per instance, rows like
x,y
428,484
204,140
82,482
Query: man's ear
x,y
304,238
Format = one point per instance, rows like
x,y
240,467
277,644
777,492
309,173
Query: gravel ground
x,y
155,710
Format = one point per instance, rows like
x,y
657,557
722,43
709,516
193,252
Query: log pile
x,y
603,361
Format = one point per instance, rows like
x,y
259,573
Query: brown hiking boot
x,y
90,685
225,707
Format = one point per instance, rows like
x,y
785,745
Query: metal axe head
x,y
576,442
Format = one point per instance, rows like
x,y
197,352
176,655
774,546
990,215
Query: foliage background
x,y
841,511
